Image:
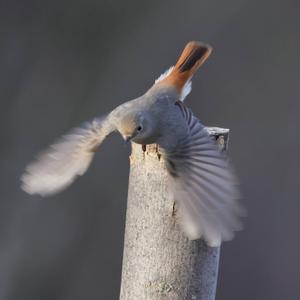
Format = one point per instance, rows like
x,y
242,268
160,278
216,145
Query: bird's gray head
x,y
137,127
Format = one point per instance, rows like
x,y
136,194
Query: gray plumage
x,y
201,179
57,167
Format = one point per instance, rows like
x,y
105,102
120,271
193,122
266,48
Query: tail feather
x,y
192,57
190,60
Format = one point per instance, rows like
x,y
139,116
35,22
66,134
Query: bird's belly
x,y
143,141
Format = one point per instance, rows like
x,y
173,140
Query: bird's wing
x,y
203,184
57,167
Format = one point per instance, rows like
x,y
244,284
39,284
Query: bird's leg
x,y
157,151
144,148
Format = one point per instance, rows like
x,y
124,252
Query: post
x,y
159,262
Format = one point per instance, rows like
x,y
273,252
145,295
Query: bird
x,y
201,179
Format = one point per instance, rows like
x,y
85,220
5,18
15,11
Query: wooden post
x,y
159,262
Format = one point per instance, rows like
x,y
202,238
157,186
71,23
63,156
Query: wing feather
x,y
203,184
70,156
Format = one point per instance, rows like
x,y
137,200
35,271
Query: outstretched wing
x,y
203,184
58,166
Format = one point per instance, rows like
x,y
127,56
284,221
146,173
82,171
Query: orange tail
x,y
192,57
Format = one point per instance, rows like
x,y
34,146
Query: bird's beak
x,y
127,138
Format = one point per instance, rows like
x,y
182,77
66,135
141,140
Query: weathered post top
x,y
159,261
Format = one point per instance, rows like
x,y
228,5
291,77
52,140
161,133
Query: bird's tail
x,y
192,57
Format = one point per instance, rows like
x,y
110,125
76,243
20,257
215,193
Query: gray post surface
x,y
159,262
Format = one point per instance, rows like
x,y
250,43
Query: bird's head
x,y
137,127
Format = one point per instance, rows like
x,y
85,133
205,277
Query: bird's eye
x,y
139,128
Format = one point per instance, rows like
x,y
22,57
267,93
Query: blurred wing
x,y
203,185
58,166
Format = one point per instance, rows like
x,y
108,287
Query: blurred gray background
x,y
63,62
